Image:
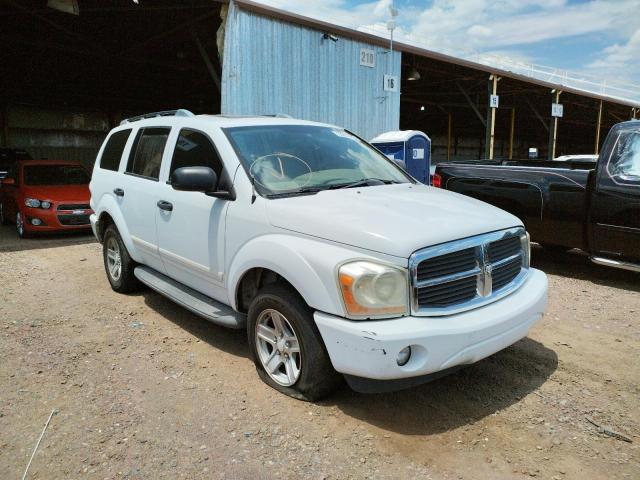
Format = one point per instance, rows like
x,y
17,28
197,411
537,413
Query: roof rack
x,y
181,112
277,115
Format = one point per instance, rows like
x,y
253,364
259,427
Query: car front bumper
x,y
369,349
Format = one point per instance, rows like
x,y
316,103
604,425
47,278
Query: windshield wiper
x,y
292,193
365,182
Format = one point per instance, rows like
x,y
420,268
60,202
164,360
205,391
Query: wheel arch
x,y
109,214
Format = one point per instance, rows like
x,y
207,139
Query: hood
x,y
58,193
391,219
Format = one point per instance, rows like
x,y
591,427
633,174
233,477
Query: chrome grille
x,y
460,275
74,206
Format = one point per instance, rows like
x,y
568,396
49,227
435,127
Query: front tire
x,y
3,219
118,265
20,228
286,345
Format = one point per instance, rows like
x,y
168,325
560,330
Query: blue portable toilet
x,y
411,149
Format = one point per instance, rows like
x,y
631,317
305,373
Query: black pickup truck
x,y
567,205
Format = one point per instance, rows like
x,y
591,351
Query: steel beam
x,y
553,128
511,132
472,105
490,125
537,114
598,125
207,61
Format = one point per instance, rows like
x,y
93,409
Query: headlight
x,y
526,249
373,290
32,202
45,204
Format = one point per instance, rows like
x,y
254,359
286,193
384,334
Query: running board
x,y
608,262
190,299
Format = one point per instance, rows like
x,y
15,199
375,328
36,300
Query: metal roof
x,y
419,51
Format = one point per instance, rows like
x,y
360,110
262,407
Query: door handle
x,y
118,192
164,205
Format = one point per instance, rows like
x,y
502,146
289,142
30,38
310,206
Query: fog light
x,y
36,221
404,356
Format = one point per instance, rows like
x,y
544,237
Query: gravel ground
x,y
144,389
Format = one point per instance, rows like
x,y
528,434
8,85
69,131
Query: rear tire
x,y
300,367
118,265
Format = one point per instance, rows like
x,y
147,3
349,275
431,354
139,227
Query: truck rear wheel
x,y
286,345
118,264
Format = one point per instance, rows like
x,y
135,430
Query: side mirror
x,y
194,179
8,181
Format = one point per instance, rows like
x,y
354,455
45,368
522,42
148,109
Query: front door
x,y
191,224
615,207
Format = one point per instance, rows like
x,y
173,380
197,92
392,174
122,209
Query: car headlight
x,y
372,289
32,202
526,249
45,204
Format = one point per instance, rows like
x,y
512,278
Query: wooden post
x,y
633,113
449,139
598,124
513,124
553,128
490,126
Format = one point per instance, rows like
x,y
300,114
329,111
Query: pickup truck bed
x,y
572,204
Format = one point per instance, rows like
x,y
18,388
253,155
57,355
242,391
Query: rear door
x,y
139,189
615,204
191,232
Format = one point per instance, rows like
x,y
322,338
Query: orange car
x,y
45,196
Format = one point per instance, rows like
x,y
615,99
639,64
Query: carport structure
x,y
68,78
450,99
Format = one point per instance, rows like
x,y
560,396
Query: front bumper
x,y
369,349
53,220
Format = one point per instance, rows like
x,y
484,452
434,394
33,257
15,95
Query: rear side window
x,y
194,149
146,155
113,150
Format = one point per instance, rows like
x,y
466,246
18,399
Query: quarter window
x,y
194,149
146,155
113,150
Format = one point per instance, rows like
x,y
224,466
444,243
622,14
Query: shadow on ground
x,y
461,398
10,242
576,264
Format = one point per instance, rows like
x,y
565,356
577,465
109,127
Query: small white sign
x,y
390,83
418,153
556,110
494,101
367,58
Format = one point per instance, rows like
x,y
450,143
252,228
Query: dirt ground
x,y
144,389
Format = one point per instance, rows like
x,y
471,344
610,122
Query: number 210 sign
x,y
390,83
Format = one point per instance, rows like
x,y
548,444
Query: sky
x,y
593,38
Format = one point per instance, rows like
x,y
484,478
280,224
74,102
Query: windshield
x,y
309,158
55,175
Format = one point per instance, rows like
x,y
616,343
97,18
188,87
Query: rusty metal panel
x,y
271,66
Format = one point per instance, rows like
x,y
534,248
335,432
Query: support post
x,y
207,61
553,128
634,110
449,139
511,131
490,125
598,125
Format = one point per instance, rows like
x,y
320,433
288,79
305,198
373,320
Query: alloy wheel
x,y
114,259
278,347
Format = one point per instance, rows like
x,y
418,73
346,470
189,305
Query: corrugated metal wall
x,y
56,134
271,66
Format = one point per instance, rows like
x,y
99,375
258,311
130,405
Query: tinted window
x,y
194,149
55,175
146,154
626,157
113,150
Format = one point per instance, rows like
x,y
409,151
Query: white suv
x,y
335,260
